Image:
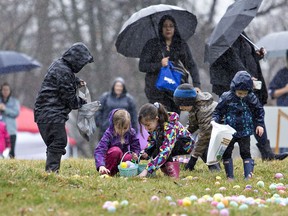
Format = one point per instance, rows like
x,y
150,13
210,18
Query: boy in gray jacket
x,y
200,106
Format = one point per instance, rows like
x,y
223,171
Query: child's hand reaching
x,y
134,156
259,130
144,155
143,173
103,170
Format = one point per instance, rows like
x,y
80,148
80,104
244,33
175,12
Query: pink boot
x,y
171,169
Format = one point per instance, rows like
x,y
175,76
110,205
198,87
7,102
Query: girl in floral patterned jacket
x,y
167,138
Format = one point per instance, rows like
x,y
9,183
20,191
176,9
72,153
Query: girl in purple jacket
x,y
115,142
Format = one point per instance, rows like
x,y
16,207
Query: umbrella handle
x,y
255,46
246,38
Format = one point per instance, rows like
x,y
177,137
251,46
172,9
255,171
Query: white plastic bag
x,y
85,119
6,152
220,138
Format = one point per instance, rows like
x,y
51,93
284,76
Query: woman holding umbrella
x,y
9,109
156,53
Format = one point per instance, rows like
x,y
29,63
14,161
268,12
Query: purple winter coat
x,y
109,139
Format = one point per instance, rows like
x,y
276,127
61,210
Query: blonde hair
x,y
122,122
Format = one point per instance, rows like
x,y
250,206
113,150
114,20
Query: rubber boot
x,y
171,169
248,168
191,164
228,166
214,167
53,162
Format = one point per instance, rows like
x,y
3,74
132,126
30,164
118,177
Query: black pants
x,y
54,136
13,144
244,146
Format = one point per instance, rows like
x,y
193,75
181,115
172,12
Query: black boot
x,y
229,169
53,162
248,168
190,165
266,151
214,167
281,156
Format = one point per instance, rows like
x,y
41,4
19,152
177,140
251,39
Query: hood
x,y
111,114
204,98
121,80
173,117
242,81
77,56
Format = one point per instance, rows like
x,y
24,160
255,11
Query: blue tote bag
x,y
169,78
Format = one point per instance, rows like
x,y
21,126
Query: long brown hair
x,y
150,112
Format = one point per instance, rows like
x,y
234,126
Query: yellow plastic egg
x,y
123,165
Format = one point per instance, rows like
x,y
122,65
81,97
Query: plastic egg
x,y
169,198
220,205
224,212
155,198
111,208
218,178
123,165
243,207
222,188
214,212
186,202
124,203
233,204
236,186
180,202
217,197
279,176
260,184
193,197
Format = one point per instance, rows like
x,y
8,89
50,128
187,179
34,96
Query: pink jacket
x,y
4,137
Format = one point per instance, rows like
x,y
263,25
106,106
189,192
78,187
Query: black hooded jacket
x,y
57,95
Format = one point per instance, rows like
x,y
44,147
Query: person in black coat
x,y
242,56
278,87
118,97
157,52
55,100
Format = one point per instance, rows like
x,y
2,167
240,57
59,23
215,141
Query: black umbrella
x,y
11,62
143,25
234,21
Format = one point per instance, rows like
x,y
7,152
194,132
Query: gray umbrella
x,y
276,44
11,62
234,21
143,25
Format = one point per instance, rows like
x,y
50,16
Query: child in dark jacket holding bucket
x,y
200,106
118,139
241,109
167,138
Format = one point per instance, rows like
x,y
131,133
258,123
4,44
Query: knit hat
x,y
185,95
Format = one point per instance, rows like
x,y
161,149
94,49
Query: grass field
x,y
25,189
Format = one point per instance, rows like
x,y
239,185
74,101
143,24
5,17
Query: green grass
x,y
25,189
